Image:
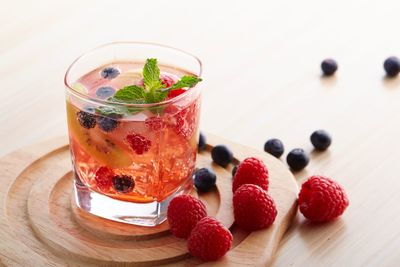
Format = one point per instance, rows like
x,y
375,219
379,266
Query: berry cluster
x,y
320,200
297,158
253,207
208,239
105,179
88,120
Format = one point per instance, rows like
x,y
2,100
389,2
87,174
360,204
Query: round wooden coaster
x,y
43,226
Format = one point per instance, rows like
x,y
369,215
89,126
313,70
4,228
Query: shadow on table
x,y
313,233
328,81
390,82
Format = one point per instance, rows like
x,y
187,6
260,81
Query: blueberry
x,y
297,159
392,66
329,66
202,142
90,109
274,147
105,92
221,155
86,120
123,183
321,140
109,73
204,179
234,170
107,124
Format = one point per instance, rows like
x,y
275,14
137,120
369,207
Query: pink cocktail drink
x,y
133,140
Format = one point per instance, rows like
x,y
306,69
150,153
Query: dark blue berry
x,y
221,155
204,179
86,120
107,124
123,183
90,109
297,159
109,73
274,147
202,142
105,92
321,140
392,66
234,170
329,66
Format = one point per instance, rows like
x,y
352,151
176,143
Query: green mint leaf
x,y
151,75
186,81
155,96
112,112
131,93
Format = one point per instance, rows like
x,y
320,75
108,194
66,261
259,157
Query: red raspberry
x,y
175,93
253,208
103,178
184,212
167,80
138,143
154,123
322,199
209,240
251,171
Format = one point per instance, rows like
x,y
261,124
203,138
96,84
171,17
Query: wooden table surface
x,y
261,79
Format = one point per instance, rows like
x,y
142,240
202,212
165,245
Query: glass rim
x,y
126,104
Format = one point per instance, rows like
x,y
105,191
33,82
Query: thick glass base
x,y
144,214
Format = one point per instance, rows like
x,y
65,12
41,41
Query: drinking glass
x,y
128,159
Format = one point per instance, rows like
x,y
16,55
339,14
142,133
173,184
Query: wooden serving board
x,y
41,226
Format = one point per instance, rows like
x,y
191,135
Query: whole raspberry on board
x,y
322,199
251,171
209,240
253,208
138,143
184,212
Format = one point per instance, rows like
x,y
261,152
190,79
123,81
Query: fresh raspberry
x,y
186,121
175,93
182,120
253,208
322,199
209,240
103,178
184,212
167,80
251,171
138,143
154,123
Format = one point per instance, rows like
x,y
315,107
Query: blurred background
x,y
261,59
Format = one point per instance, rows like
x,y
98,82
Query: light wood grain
x,y
43,193
261,80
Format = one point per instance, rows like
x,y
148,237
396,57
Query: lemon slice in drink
x,y
80,88
103,148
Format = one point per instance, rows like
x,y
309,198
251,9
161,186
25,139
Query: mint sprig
x,y
185,81
154,90
129,93
151,75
